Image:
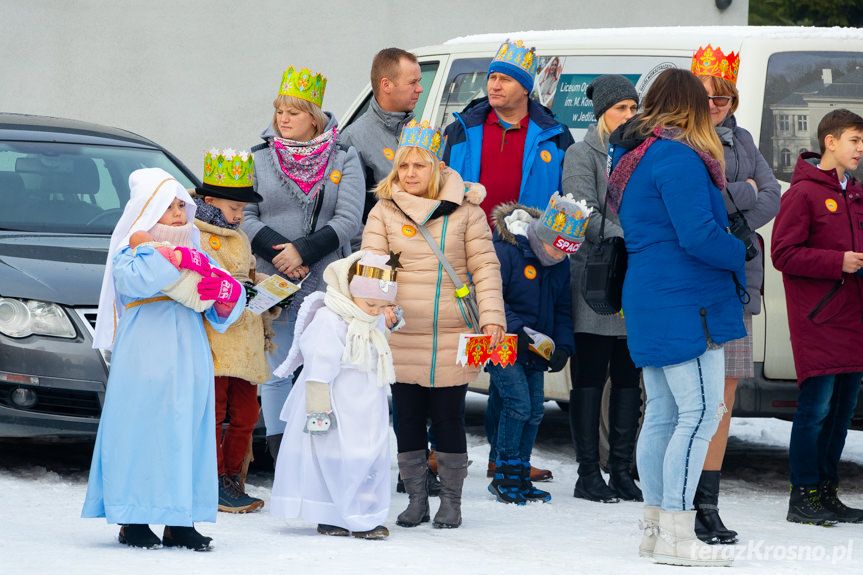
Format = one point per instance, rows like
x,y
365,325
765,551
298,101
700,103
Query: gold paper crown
x,y
712,62
228,169
380,273
423,135
303,85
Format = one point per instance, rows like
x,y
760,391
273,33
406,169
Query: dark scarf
x,y
623,171
210,214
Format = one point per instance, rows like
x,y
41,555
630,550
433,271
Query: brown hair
x,y
723,87
835,123
386,64
320,119
384,189
677,99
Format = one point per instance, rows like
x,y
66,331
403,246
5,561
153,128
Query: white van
x,y
789,78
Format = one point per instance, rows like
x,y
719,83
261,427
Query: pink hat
x,y
375,277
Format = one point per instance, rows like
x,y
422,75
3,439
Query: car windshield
x,y
70,188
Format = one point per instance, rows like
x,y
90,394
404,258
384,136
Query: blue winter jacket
x,y
540,173
534,296
679,286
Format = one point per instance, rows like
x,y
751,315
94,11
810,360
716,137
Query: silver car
x,y
63,185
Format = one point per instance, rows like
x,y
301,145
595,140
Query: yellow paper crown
x,y
303,85
518,55
423,135
709,61
228,169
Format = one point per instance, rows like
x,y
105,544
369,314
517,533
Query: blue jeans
x,y
514,410
275,391
825,406
684,406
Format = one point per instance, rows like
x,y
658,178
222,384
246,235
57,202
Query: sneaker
x,y
186,537
138,535
333,530
232,499
830,501
379,532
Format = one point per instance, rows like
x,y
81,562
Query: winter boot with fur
x,y
584,405
139,535
506,485
649,526
708,525
830,500
187,537
528,491
413,467
452,468
804,506
625,410
678,545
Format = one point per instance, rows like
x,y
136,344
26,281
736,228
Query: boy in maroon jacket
x,y
818,247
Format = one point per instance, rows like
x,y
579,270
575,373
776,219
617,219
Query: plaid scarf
x,y
304,163
623,171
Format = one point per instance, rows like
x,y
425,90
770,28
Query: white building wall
x,y
193,74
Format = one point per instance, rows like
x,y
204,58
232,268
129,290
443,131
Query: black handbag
x,y
604,270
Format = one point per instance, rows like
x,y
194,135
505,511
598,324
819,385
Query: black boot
x,y
830,500
584,405
138,535
528,489
273,444
708,525
624,412
804,506
186,537
506,485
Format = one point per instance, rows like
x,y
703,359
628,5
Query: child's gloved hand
x,y
222,288
193,260
522,347
319,412
557,360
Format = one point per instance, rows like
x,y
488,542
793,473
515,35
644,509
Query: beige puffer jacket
x,y
239,352
425,350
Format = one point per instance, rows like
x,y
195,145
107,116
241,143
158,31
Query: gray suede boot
x,y
413,467
452,469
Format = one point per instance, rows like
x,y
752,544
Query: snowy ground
x,y
41,532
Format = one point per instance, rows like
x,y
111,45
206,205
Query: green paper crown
x,y
303,85
228,169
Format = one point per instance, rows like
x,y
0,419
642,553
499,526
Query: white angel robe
x,y
155,455
341,477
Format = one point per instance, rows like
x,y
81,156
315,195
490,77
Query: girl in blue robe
x,y
155,455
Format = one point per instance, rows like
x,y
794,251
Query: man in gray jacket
x,y
375,135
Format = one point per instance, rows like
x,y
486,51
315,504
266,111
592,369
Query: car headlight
x,y
21,318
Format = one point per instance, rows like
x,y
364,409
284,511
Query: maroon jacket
x,y
816,225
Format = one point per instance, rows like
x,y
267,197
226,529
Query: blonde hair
x,y
677,99
723,87
384,189
602,128
318,117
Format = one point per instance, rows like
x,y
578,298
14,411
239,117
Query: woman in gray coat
x,y
313,190
753,190
600,340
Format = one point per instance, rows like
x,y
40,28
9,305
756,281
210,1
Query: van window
x,y
427,69
801,88
465,82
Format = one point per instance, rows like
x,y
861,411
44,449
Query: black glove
x,y
558,360
522,347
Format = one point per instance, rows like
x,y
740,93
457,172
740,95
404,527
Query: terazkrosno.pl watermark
x,y
759,550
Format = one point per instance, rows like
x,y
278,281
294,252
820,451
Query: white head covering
x,y
151,192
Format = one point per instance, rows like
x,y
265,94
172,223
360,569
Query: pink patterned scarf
x,y
623,171
304,163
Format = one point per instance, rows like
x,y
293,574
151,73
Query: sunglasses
x,y
720,101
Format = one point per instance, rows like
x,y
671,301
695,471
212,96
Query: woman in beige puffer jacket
x,y
430,384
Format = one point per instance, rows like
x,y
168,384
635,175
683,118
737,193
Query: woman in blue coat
x,y
680,299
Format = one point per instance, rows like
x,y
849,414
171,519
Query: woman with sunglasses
x,y
753,191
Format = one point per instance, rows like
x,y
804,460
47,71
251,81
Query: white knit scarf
x,y
361,331
178,236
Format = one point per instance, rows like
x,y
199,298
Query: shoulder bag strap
x,y
460,291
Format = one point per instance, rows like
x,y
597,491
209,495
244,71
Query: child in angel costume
x,y
334,462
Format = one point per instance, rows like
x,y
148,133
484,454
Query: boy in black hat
x,y
238,354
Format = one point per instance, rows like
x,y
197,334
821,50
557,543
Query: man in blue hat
x,y
511,144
